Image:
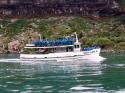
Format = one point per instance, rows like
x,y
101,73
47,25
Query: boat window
x,y
69,49
76,46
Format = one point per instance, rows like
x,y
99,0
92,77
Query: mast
x,y
77,41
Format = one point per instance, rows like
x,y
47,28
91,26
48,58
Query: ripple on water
x,y
82,89
120,91
26,91
47,87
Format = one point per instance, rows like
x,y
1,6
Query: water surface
x,y
80,76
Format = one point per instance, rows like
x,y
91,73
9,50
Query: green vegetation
x,y
108,33
121,2
11,28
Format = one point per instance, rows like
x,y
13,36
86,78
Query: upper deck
x,y
51,44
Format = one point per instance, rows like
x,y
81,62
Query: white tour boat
x,y
68,48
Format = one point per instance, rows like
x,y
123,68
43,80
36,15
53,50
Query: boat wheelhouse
x,y
59,48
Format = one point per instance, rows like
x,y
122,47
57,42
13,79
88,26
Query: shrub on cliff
x,y
16,27
121,2
103,42
118,39
78,24
120,46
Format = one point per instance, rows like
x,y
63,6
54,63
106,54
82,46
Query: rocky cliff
x,y
44,8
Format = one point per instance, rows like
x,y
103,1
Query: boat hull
x,y
93,54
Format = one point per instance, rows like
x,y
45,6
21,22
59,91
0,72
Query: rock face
x,y
43,8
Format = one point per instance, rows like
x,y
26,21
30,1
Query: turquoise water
x,y
80,76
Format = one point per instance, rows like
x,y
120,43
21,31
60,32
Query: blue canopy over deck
x,y
57,42
90,48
